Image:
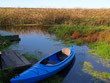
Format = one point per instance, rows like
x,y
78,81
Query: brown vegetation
x,y
95,37
94,17
75,35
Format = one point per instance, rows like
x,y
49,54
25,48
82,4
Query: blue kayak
x,y
46,67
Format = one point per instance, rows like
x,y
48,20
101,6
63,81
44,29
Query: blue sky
x,y
56,3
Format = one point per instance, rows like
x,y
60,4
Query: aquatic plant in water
x,y
104,62
88,68
30,56
39,52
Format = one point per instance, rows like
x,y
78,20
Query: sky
x,y
55,3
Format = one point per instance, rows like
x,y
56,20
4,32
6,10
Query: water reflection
x,y
26,30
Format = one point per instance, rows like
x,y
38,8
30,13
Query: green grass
x,y
80,42
4,43
5,76
62,31
101,49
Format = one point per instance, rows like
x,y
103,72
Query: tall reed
x,y
16,16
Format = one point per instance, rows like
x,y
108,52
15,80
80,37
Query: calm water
x,y
35,40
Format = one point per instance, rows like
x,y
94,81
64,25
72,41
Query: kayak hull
x,y
40,71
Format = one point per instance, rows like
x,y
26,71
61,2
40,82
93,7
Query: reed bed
x,y
91,17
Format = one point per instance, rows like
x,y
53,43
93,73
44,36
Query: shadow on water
x,y
66,70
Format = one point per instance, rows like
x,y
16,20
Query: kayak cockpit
x,y
57,57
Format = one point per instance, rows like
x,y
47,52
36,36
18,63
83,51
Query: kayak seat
x,y
51,63
52,60
63,54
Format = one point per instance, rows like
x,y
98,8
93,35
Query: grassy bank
x,y
19,16
98,37
87,33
